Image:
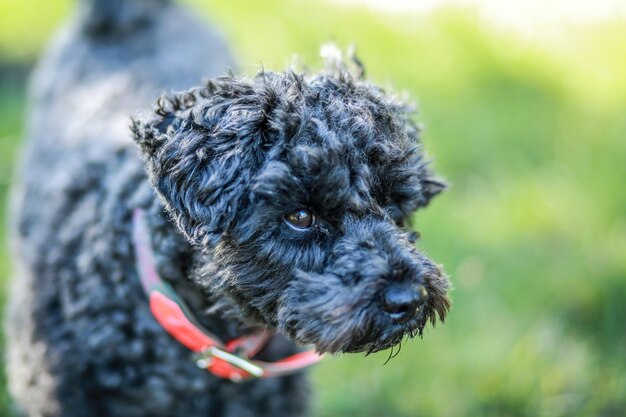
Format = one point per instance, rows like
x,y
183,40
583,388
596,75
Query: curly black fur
x,y
228,161
231,159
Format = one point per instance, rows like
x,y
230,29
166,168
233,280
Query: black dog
x,y
280,204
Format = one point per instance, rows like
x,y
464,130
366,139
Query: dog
x,y
183,266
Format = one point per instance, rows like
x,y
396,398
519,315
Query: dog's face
x,y
296,190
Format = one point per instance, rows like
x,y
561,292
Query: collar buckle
x,y
209,355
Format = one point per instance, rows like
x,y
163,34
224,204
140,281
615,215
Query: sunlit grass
x,y
531,135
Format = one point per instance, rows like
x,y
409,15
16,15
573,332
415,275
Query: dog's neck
x,y
182,266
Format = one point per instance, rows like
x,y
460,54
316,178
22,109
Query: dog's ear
x,y
202,148
416,184
430,184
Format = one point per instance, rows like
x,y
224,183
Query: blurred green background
x,y
531,133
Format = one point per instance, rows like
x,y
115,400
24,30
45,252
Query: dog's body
x,y
82,340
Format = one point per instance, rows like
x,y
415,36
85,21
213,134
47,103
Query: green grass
x,y
532,136
11,112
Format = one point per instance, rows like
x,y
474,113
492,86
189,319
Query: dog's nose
x,y
402,301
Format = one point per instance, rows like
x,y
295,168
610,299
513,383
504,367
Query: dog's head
x,y
296,189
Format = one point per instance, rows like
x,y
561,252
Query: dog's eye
x,y
300,220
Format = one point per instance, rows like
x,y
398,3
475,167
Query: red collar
x,y
231,360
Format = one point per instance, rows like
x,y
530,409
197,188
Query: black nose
x,y
401,301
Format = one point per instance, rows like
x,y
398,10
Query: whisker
x,y
390,356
